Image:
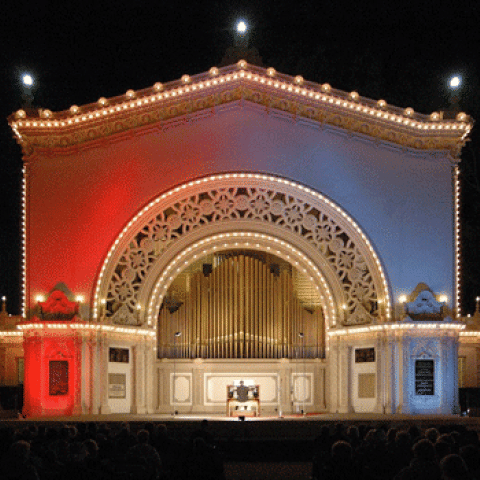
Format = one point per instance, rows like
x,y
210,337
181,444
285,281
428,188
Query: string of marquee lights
x,y
11,334
421,326
99,301
456,215
82,327
23,265
297,86
149,333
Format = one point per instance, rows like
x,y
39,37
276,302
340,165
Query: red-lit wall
x,y
80,200
39,349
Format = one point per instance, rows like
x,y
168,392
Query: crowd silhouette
x,y
101,451
443,453
92,451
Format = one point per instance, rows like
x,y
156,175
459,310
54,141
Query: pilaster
x,y
138,380
103,363
79,387
381,375
344,380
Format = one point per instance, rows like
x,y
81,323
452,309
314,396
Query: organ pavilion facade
x,y
240,225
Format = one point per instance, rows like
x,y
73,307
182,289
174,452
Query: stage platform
x,y
305,427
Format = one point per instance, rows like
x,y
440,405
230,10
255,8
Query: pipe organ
x,y
241,308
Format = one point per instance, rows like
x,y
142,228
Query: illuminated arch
x,y
347,266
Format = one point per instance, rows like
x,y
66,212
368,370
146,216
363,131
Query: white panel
x,y
121,405
360,403
302,388
216,386
182,390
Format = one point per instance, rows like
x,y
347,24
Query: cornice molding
x,y
205,93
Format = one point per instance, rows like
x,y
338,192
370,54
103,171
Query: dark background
x,y
403,52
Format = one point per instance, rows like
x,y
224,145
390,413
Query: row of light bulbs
x,y
23,265
456,216
460,328
349,101
86,327
442,299
396,326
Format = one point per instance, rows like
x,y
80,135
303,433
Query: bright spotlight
x,y
455,82
27,80
241,27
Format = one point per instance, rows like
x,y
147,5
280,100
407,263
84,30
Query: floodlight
x,y
455,82
27,80
241,27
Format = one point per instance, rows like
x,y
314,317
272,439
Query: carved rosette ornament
x,y
276,205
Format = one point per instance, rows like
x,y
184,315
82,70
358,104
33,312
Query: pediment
x,y
192,98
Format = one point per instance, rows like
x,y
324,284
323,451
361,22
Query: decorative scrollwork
x,y
275,206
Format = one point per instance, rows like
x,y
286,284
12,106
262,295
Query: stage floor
x,y
288,426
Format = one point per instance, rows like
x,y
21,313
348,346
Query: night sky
x,y
403,52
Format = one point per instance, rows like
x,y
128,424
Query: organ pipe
x,y
241,309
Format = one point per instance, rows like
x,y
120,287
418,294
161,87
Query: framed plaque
x,y
364,355
117,385
58,377
424,377
366,385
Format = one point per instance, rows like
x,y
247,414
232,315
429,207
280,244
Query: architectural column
x,y
456,400
95,373
79,384
443,354
403,352
332,375
389,375
85,374
138,380
102,366
91,404
344,378
149,372
381,373
319,375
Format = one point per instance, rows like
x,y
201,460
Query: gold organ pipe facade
x,y
241,307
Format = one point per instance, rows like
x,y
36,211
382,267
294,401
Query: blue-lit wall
x,y
443,351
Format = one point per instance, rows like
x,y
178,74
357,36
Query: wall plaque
x,y
424,377
364,355
58,377
366,385
117,385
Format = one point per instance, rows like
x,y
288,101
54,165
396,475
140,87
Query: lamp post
x,y
302,336
175,336
454,86
241,35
